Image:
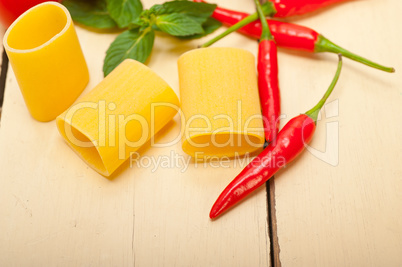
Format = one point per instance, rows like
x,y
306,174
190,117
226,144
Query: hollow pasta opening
x,y
37,27
89,154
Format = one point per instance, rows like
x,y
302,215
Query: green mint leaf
x,y
196,11
156,9
124,12
129,44
178,24
91,13
209,26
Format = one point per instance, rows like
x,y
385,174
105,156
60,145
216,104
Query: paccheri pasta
x,y
220,102
118,116
47,59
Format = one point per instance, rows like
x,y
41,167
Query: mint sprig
x,y
179,18
176,18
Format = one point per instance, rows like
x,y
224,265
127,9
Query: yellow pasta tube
x,y
219,96
118,116
47,59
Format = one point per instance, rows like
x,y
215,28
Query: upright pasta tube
x,y
47,59
118,116
219,96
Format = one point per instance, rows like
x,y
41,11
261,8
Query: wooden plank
x,y
348,214
56,211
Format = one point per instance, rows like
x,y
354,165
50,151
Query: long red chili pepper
x,y
290,142
268,84
287,8
287,35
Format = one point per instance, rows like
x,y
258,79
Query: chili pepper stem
x,y
231,29
313,113
266,33
267,8
325,45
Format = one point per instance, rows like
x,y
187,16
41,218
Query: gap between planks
x,y
272,224
3,77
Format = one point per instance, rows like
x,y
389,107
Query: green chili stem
x,y
325,45
313,113
267,10
266,32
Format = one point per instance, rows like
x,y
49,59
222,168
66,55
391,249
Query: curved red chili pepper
x,y
289,143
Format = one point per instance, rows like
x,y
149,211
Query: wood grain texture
x,y
343,207
56,211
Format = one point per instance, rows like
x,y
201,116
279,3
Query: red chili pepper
x,y
268,84
290,142
286,35
287,8
10,10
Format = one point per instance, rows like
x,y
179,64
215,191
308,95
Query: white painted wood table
x,y
340,204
